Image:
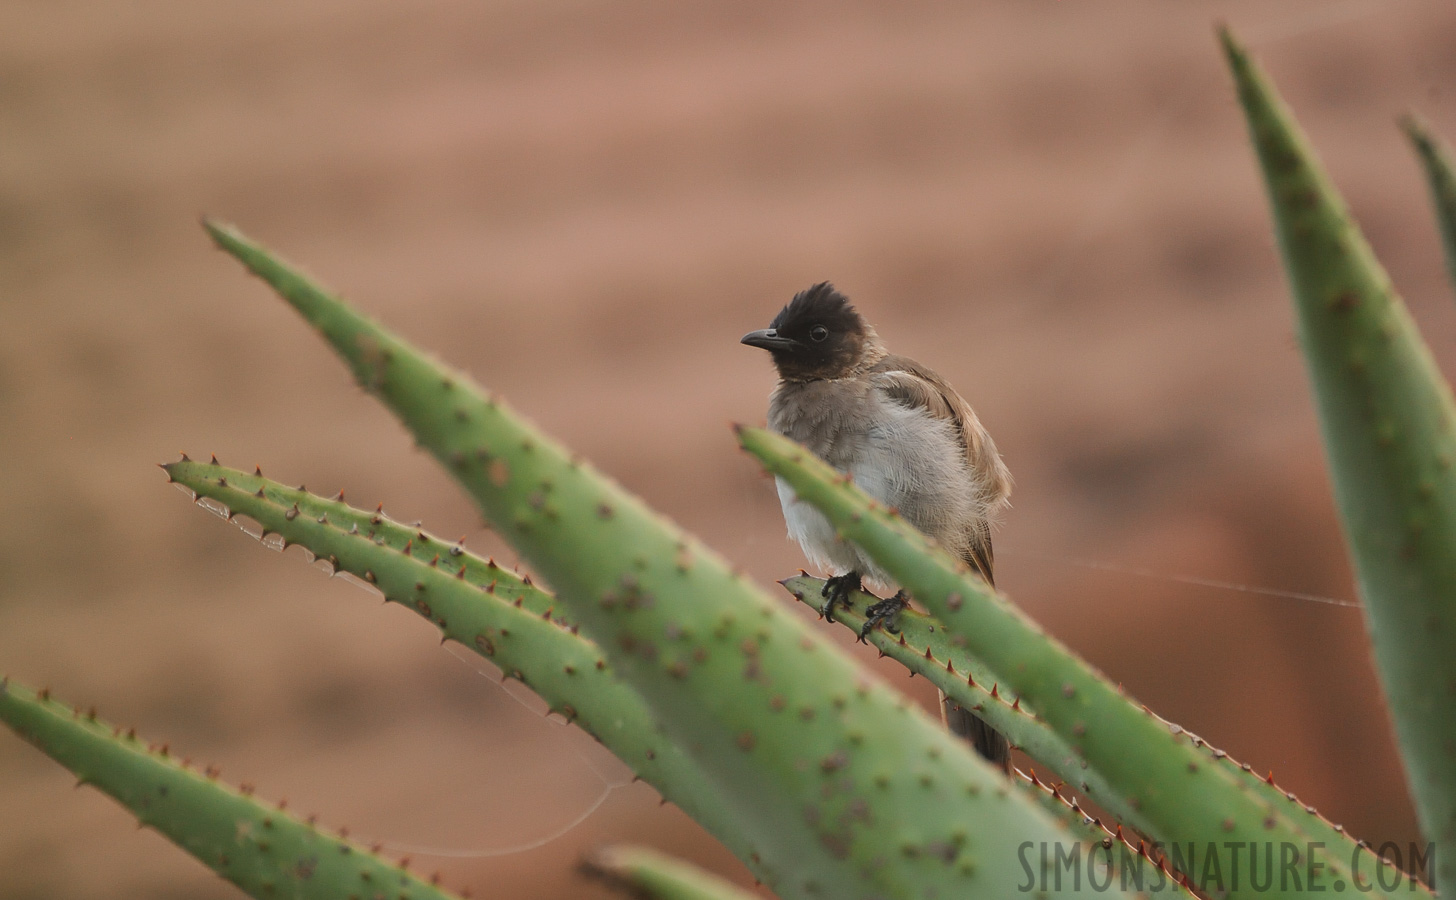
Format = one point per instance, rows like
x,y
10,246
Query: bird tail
x,y
988,742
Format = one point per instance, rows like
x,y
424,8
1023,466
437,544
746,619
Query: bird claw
x,y
882,614
836,592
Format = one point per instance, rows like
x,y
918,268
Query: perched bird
x,y
902,434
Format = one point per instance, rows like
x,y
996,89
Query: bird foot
x,y
836,592
883,614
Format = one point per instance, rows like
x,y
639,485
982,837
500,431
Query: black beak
x,y
769,339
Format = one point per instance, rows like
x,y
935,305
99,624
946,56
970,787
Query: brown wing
x,y
910,383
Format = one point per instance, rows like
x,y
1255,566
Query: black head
x,y
817,335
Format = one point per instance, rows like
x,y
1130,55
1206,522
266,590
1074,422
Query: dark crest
x,y
819,305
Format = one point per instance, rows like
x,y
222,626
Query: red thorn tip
x,y
379,508
1270,778
185,458
1034,780
927,654
996,690
970,680
257,470
902,640
214,459
949,668
1016,704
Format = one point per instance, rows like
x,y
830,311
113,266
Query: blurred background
x,y
585,205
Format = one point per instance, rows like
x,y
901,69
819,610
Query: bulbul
x,y
905,437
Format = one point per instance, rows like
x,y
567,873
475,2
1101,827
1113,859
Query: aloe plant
x,y
821,778
476,603
851,788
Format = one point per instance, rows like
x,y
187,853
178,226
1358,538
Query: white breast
x,y
902,457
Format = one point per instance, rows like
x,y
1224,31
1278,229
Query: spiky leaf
x,y
927,648
1387,418
265,851
488,609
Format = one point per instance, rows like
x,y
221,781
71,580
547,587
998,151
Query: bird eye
x,y
818,333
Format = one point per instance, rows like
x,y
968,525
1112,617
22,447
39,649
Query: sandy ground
x,y
585,205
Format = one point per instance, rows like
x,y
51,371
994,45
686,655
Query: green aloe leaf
x,y
853,790
1387,418
1111,858
923,645
479,605
1435,157
650,875
1155,765
265,851
927,648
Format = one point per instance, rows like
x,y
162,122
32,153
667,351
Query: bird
x,y
904,436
